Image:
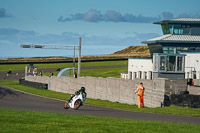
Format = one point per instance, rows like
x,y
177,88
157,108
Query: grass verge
x,y
15,67
175,110
27,121
103,72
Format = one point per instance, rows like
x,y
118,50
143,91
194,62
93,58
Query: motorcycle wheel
x,y
66,105
77,104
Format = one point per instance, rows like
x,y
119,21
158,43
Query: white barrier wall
x,y
140,68
114,89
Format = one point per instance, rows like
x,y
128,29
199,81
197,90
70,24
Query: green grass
x,y
27,121
15,67
103,72
175,110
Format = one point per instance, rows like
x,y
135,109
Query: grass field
x,y
103,72
27,121
15,67
175,110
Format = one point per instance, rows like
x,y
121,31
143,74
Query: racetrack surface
x,y
13,99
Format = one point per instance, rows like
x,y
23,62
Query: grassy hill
x,y
133,51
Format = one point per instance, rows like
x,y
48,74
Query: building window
x,y
135,74
192,49
171,63
155,59
185,49
172,50
197,49
130,75
145,75
165,29
176,29
169,50
162,63
179,64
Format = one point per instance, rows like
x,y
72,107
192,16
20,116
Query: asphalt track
x,y
13,99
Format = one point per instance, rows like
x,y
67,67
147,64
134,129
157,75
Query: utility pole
x,y
74,48
79,57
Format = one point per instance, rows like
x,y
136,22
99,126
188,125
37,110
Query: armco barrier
x,y
115,89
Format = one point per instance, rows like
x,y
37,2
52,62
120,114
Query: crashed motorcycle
x,y
75,101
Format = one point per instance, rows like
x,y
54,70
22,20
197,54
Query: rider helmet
x,y
83,89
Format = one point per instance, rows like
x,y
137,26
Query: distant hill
x,y
133,51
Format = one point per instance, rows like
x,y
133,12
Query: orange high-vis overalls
x,y
140,93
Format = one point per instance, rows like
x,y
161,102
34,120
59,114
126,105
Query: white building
x,y
176,54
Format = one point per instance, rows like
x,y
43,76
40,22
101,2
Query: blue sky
x,y
104,25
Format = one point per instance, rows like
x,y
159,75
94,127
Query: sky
x,y
105,26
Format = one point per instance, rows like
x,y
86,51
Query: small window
x,y
183,26
179,63
197,49
185,49
188,26
162,63
165,48
192,49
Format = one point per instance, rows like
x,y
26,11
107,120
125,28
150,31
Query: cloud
x,y
110,16
11,39
91,16
113,16
167,15
3,13
21,36
68,38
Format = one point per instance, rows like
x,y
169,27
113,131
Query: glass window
x,y
188,26
162,63
130,75
179,29
179,63
178,50
197,49
175,29
165,29
185,49
165,48
171,63
154,62
183,26
192,49
172,50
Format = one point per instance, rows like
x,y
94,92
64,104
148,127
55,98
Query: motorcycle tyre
x,y
77,104
66,105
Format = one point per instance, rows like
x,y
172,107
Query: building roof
x,y
169,38
180,21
